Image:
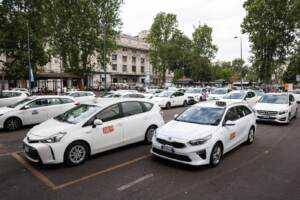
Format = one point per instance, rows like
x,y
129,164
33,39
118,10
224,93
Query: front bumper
x,y
190,155
45,153
273,118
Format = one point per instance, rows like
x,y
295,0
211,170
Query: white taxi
x,y
168,99
82,96
92,128
203,133
248,96
217,93
276,107
34,110
10,97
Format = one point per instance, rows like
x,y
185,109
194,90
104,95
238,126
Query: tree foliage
x,y
271,28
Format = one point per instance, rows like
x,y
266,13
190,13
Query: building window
x,y
114,57
114,67
124,58
142,60
133,51
142,69
102,67
133,68
133,59
115,80
124,68
124,49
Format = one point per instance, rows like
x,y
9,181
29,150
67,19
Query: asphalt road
x,y
268,169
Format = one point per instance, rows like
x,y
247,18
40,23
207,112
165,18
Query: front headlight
x,y
200,141
54,138
282,112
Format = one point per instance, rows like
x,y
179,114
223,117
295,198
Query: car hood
x,y
271,107
185,131
48,128
4,110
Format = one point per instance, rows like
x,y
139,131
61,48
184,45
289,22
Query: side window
x,y
148,106
110,113
15,94
180,93
140,96
53,101
175,94
291,98
74,95
131,108
246,110
127,96
231,115
66,100
39,103
240,111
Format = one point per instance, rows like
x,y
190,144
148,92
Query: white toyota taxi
x,y
34,110
168,99
92,128
276,107
204,132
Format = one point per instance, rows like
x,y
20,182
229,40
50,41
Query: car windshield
x,y
219,91
165,94
274,99
234,95
202,115
77,114
194,91
19,103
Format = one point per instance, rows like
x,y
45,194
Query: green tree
x,y
203,51
271,28
82,30
162,34
16,18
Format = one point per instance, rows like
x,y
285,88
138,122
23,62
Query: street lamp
x,y
241,70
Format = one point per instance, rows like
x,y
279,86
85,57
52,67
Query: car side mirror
x,y
97,122
175,116
26,107
229,123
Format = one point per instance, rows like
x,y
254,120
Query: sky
x,y
224,16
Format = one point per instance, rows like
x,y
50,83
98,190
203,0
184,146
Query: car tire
x,y
12,124
216,155
184,103
251,136
76,153
149,134
168,105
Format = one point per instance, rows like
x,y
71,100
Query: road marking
x,y
101,172
128,185
34,171
9,154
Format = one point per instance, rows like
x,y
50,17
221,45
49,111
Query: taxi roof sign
x,y
220,103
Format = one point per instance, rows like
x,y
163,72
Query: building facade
x,y
129,64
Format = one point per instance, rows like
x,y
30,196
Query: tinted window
x,y
110,113
39,103
148,106
66,100
131,108
292,99
246,110
53,101
74,95
231,115
240,111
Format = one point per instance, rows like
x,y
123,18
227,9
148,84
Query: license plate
x,y
167,148
266,117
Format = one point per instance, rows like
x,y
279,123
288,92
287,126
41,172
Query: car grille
x,y
32,153
190,97
265,112
171,155
177,145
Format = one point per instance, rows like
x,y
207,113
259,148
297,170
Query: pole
x,y
241,63
29,61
